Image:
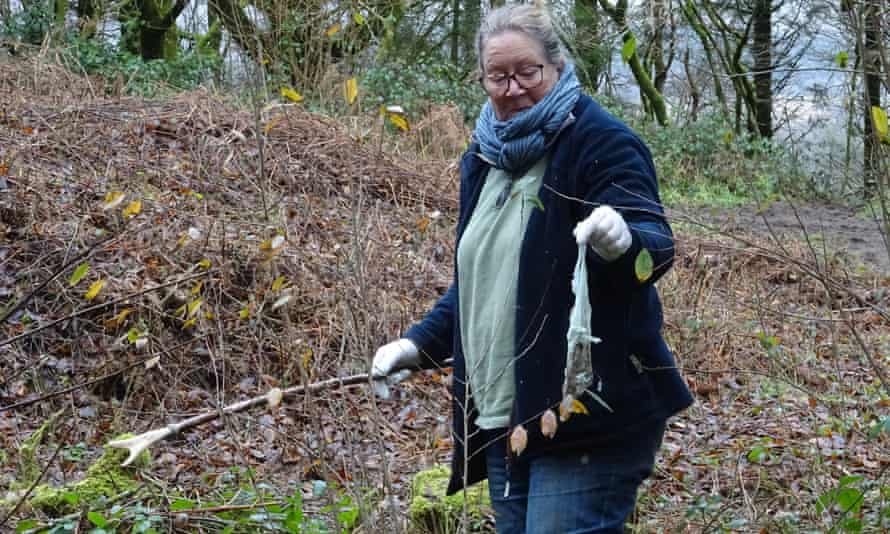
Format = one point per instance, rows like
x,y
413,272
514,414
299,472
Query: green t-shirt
x,y
487,272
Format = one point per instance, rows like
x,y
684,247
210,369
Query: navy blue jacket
x,y
600,160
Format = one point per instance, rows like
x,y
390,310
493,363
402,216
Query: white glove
x,y
606,232
392,364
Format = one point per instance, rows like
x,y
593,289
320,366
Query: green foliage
x,y
145,78
705,162
415,85
432,512
30,25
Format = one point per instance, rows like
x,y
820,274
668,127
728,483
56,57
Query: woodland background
x,y
202,201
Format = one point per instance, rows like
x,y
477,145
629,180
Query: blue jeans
x,y
571,492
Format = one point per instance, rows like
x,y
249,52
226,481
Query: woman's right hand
x,y
392,364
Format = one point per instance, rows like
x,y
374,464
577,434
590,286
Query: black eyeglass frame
x,y
512,76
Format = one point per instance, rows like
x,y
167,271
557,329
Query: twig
x,y
84,311
223,508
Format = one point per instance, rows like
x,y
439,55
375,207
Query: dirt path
x,y
843,230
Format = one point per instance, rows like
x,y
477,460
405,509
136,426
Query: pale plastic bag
x,y
579,375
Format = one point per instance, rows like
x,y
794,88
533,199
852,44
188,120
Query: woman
x,y
548,171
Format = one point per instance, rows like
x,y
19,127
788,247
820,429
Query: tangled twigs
x,y
64,267
90,309
88,383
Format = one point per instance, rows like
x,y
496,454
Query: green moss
x,y
432,512
29,468
104,479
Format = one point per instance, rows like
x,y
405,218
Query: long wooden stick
x,y
273,397
139,443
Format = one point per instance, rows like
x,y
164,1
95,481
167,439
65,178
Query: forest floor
x,y
217,287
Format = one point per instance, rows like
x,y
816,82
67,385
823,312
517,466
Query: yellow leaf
x,y
400,122
272,123
422,224
180,311
518,439
182,240
205,263
307,358
879,116
244,313
116,321
112,200
351,90
291,95
94,289
197,288
209,315
190,323
358,18
133,209
578,407
279,283
548,424
194,306
332,31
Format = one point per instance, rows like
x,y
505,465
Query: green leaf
x,y
71,498
358,18
536,201
26,525
643,266
133,335
78,274
841,59
758,455
97,519
181,504
628,48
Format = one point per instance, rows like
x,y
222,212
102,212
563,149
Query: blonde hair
x,y
531,20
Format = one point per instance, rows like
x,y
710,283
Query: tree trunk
x,y
761,48
618,13
158,35
472,15
591,53
455,31
693,17
60,11
871,64
87,18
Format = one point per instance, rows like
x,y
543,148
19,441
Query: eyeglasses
x,y
527,77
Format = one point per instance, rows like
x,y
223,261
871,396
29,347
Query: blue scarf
x,y
516,144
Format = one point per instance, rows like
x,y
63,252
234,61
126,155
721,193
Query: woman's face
x,y
514,58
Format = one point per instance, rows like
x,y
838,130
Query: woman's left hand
x,y
606,232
